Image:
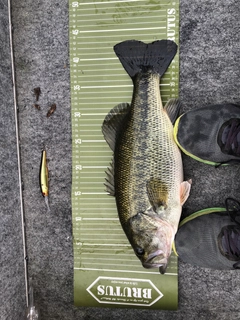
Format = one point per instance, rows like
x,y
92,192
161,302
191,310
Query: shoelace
x,y
233,209
230,138
231,234
231,244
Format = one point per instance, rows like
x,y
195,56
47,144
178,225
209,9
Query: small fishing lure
x,y
44,178
37,92
51,110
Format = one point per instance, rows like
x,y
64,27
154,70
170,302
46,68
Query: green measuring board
x,y
106,271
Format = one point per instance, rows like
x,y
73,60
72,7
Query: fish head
x,y
151,239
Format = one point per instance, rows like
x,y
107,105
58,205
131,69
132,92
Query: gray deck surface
x,y
210,67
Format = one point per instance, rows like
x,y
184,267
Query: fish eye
x,y
139,251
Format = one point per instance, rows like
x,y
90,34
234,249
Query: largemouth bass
x,y
146,175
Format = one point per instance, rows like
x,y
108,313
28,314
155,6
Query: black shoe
x,y
210,238
210,134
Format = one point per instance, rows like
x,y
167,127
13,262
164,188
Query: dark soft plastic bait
x,y
51,110
37,92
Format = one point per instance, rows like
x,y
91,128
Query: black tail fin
x,y
137,56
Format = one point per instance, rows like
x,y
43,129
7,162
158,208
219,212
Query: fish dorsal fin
x,y
172,108
113,122
157,194
109,180
185,190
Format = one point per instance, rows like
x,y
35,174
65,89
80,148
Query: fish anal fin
x,y
185,191
109,180
172,108
157,194
113,123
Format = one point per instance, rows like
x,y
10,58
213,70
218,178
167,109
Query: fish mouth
x,y
163,268
156,259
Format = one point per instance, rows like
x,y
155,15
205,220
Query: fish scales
x,y
146,141
146,176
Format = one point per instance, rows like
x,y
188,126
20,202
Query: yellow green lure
x,y
44,178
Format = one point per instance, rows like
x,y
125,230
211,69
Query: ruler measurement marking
x,y
120,35
94,210
129,13
109,2
103,42
126,271
120,30
108,25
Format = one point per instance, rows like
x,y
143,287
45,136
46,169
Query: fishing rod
x,y
18,154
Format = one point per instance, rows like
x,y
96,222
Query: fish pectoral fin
x,y
113,122
157,194
185,190
172,108
109,180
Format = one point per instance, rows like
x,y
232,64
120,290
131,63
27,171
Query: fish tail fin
x,y
137,56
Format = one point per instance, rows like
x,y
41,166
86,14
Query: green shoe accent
x,y
174,249
210,134
195,215
175,133
201,213
210,238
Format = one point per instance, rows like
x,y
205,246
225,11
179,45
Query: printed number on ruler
x,y
75,4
